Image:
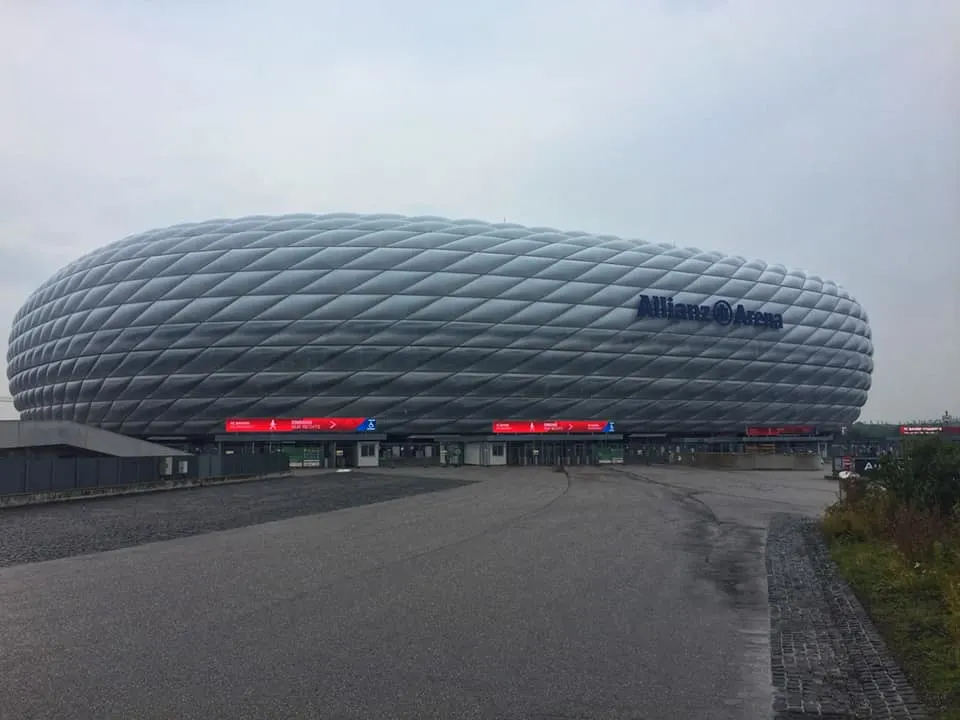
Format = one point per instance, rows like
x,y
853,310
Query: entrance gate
x,y
556,452
322,454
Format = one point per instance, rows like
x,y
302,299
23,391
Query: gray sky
x,y
820,134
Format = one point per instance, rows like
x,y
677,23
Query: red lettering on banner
x,y
537,427
781,430
285,425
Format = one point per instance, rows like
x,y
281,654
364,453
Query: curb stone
x,y
827,659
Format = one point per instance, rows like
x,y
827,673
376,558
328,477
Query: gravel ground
x,y
48,532
827,658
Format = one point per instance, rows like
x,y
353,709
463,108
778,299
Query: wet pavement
x,y
529,594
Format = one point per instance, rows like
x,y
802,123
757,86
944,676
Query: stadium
x,y
345,330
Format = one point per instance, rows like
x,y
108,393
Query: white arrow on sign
x,y
569,427
333,424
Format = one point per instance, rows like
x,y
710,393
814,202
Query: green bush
x,y
918,534
859,517
925,476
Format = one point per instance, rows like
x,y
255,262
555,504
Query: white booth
x,y
485,453
367,453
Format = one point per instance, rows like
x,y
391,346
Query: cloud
x,y
821,135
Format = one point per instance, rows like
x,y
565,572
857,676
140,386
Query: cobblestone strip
x,y
827,659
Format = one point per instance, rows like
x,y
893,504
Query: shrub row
x,y
896,536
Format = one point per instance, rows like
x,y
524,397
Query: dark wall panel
x,y
25,474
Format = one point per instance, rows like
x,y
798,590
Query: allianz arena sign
x,y
720,312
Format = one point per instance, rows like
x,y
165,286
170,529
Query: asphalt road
x,y
57,530
527,595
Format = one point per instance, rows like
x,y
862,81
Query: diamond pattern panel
x,y
429,325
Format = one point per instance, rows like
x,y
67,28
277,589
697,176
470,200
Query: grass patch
x,y
914,604
895,536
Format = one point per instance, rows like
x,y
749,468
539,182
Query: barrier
x,y
752,461
23,477
756,461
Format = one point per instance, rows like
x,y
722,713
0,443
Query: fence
x,y
730,461
754,461
28,475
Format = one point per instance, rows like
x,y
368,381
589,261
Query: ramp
x,y
17,434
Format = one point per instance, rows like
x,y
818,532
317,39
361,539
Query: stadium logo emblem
x,y
720,312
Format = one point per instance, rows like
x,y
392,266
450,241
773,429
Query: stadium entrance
x,y
359,442
553,451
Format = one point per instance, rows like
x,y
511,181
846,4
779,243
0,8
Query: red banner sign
x,y
781,431
285,425
528,427
921,429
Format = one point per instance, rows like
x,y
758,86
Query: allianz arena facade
x,y
432,326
